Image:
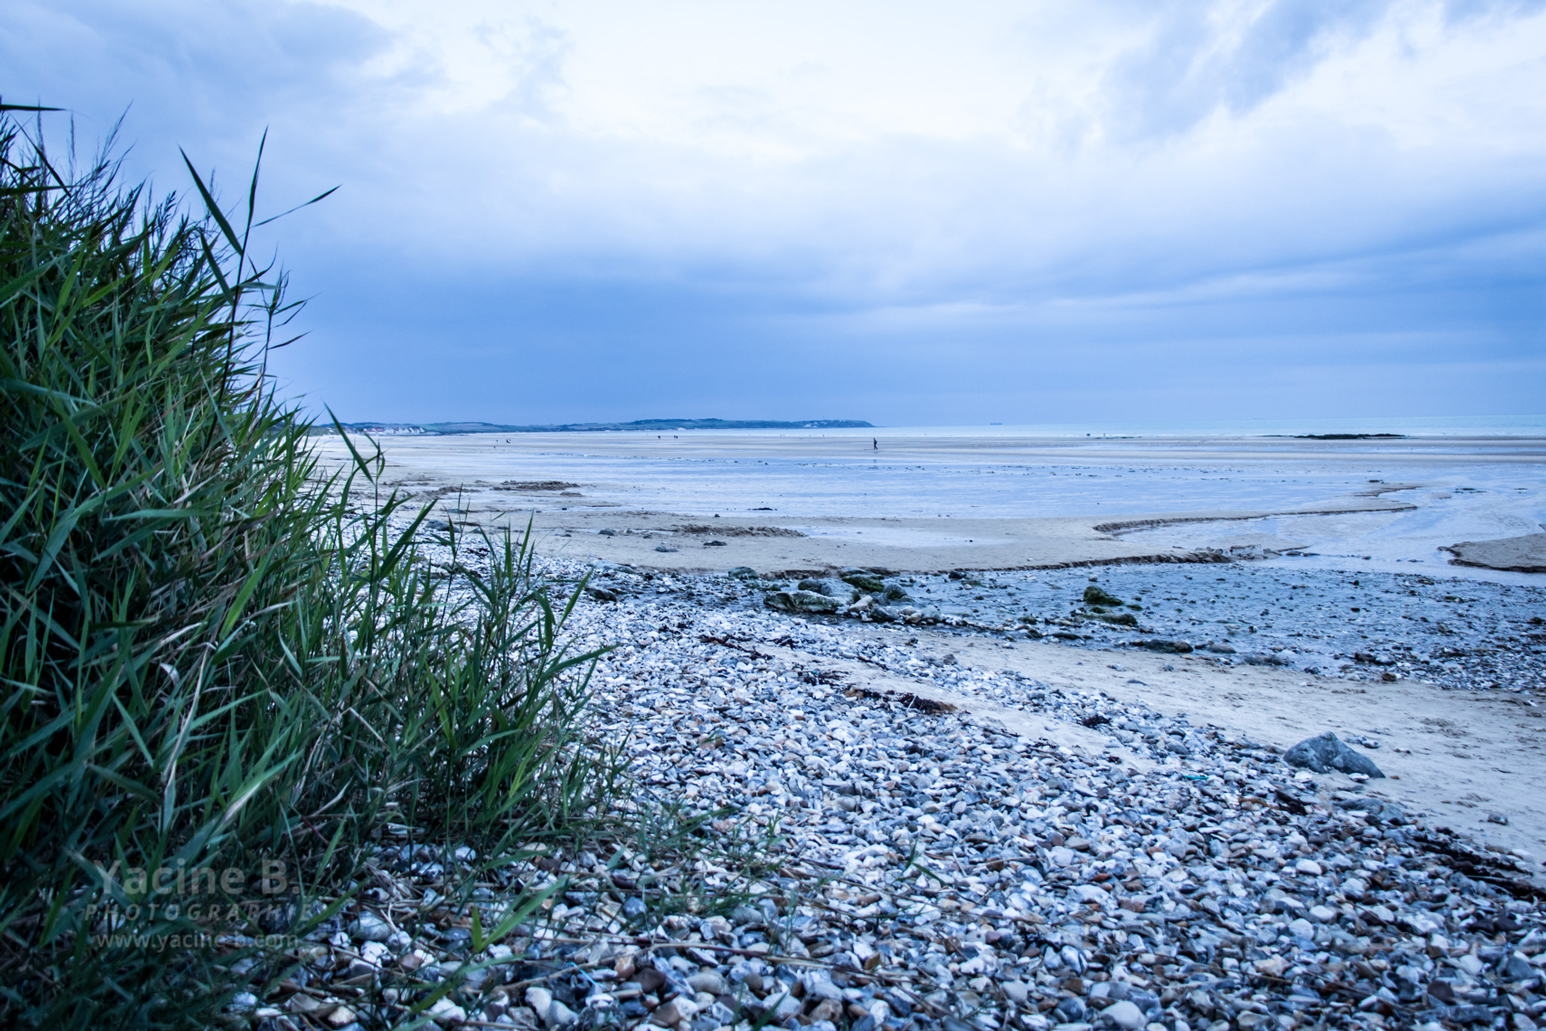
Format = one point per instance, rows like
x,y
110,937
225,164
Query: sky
x,y
914,214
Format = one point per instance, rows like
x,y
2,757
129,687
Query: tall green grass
x,y
212,656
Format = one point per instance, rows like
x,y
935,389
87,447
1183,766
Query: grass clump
x,y
225,678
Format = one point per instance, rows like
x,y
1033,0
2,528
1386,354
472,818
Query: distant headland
x,y
656,425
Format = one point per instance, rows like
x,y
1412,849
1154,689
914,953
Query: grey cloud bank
x,y
1015,214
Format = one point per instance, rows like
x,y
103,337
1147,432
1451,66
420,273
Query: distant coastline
x,y
1330,430
658,425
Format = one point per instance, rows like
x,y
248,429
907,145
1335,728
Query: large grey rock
x,y
1266,659
1161,644
831,587
863,580
1094,595
801,601
1326,753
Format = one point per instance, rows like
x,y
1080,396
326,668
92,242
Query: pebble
x,y
370,928
1124,1015
445,1011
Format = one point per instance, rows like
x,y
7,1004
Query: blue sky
x,y
903,212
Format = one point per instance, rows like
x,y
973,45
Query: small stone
x,y
1069,1010
340,1016
787,1006
1516,968
1124,1015
818,985
1273,966
559,1015
447,1012
370,927
1308,867
674,1012
1090,893
1324,914
711,981
826,1009
748,916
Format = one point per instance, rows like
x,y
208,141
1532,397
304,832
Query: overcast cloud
x,y
905,212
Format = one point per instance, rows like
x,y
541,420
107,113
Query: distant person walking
x,y
875,443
